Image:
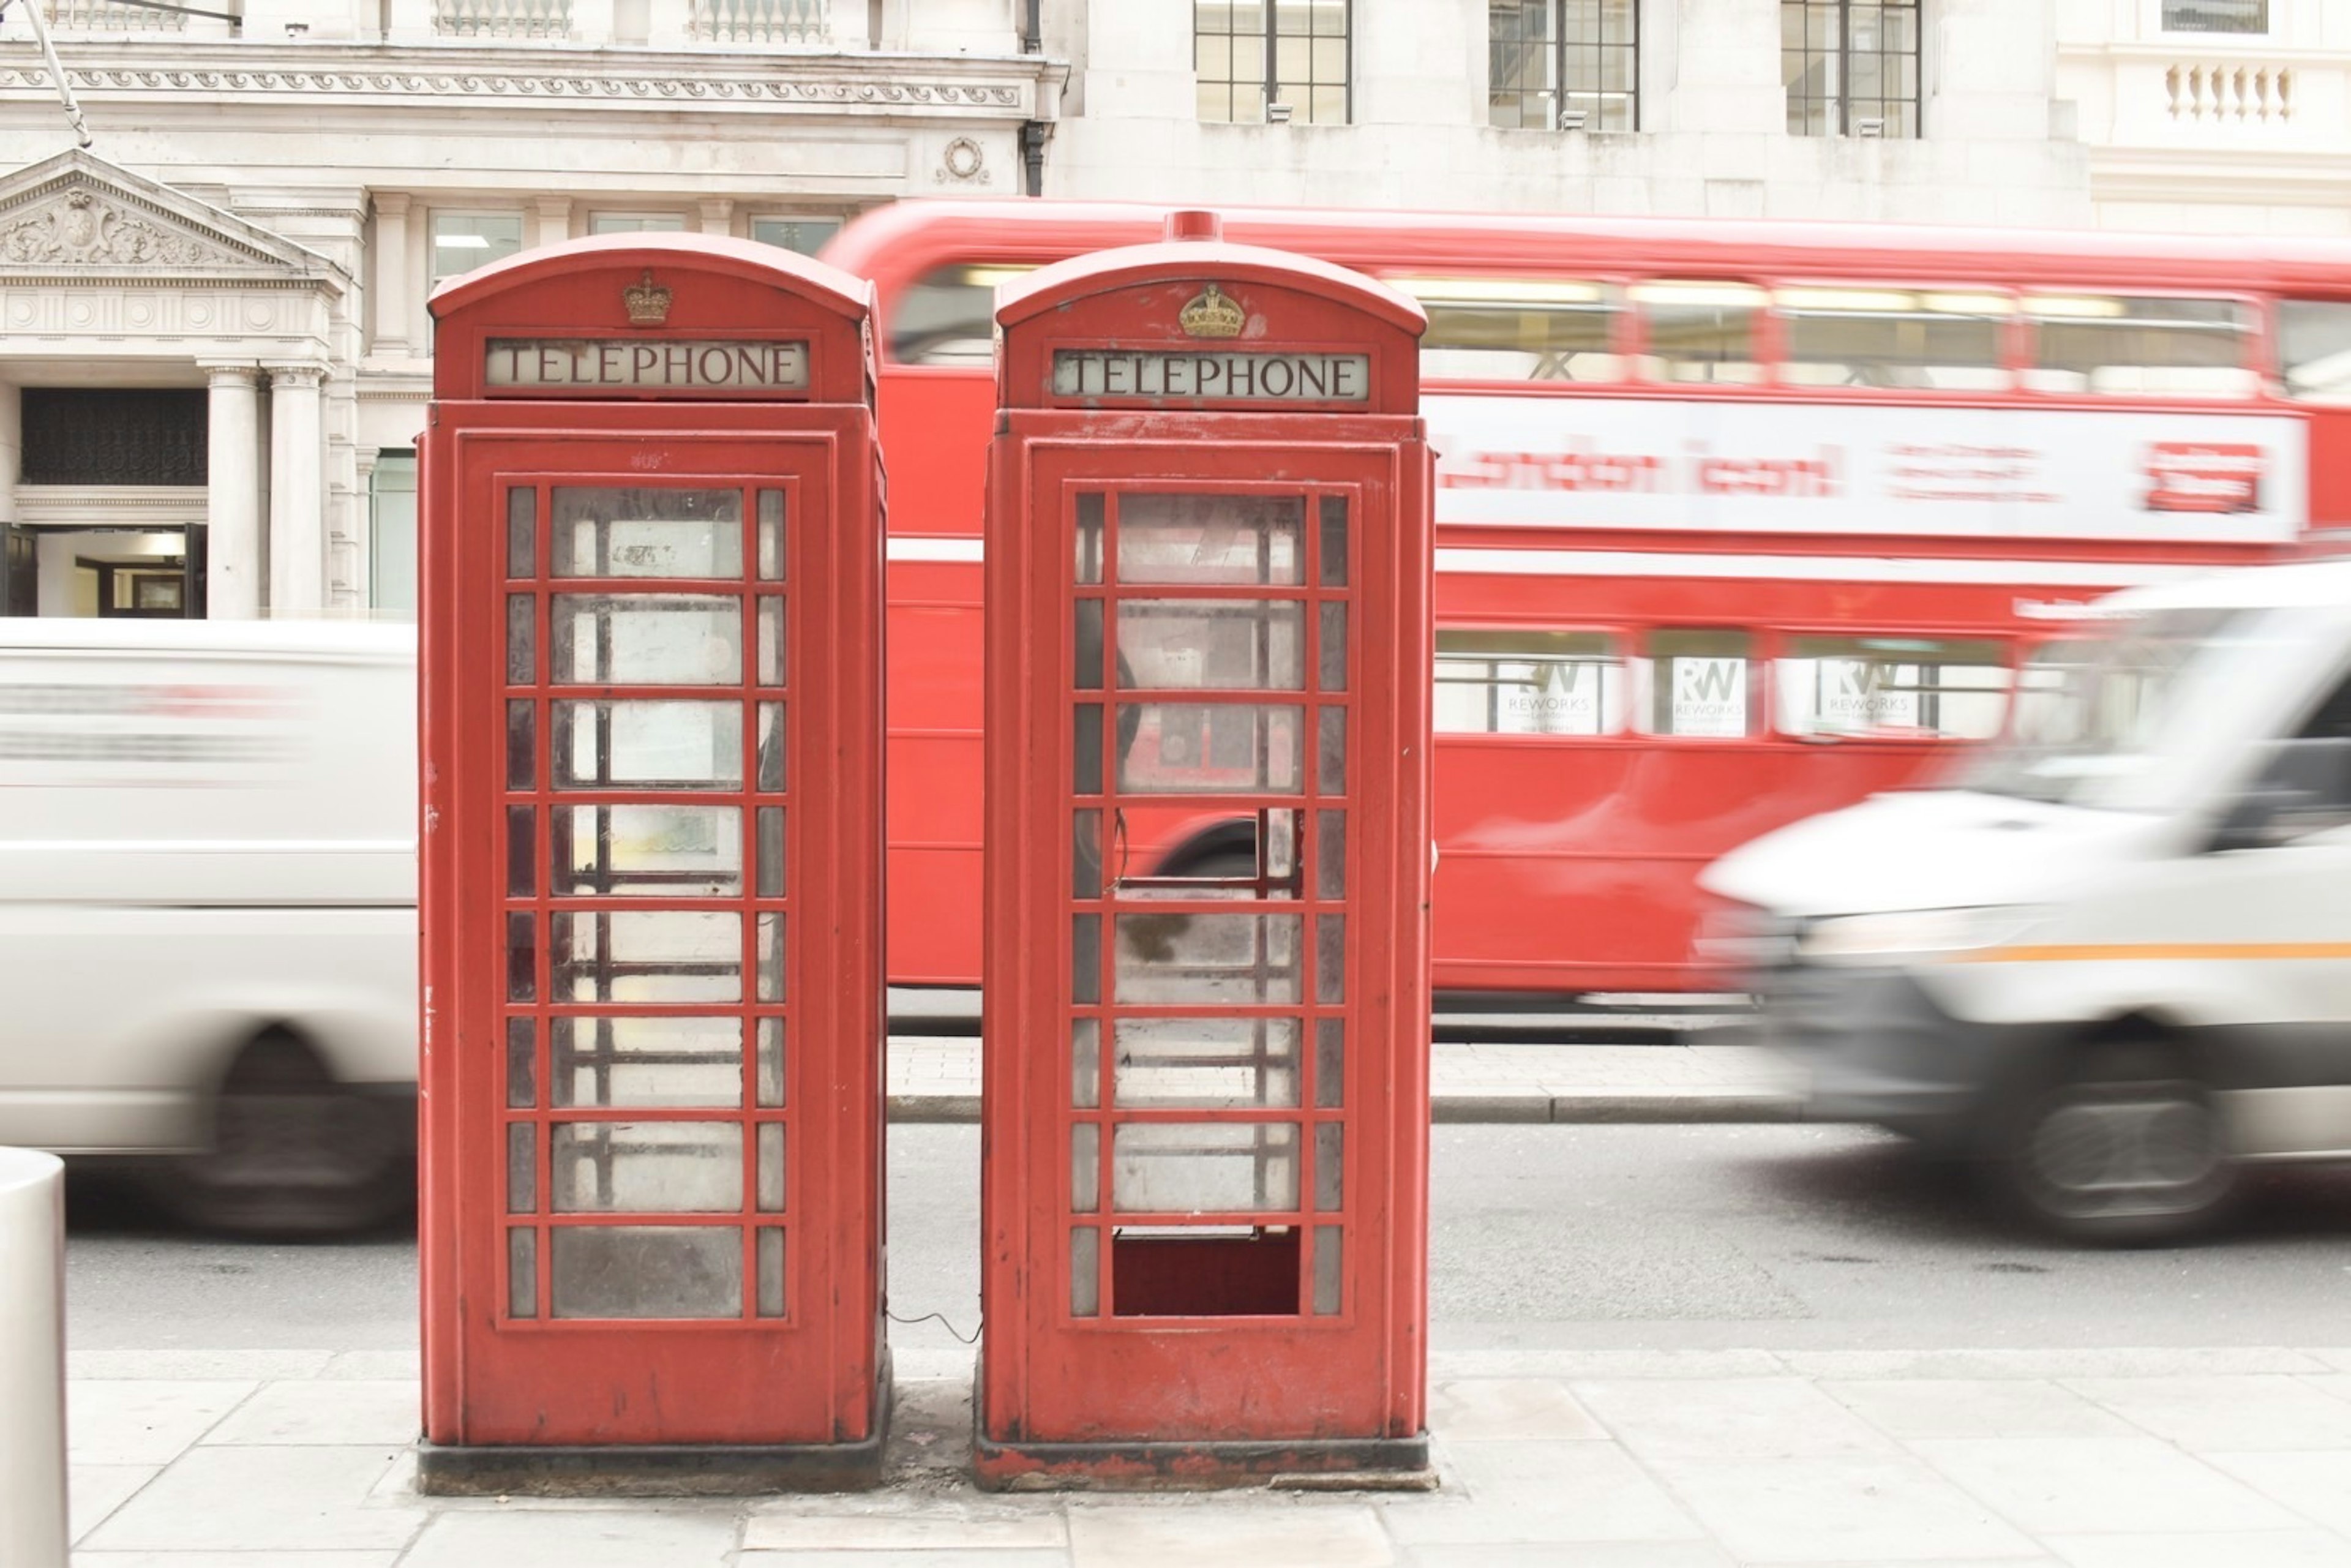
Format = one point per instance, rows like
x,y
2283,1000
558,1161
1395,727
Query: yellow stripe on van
x,y
2142,952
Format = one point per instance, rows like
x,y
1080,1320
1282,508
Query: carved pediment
x,y
76,211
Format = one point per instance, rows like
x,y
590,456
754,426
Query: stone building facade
x,y
214,346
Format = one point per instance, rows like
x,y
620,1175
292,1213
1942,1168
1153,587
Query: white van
x,y
2112,954
208,909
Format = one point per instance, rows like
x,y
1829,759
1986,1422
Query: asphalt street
x,y
1770,1236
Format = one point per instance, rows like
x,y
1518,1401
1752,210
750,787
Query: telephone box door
x,y
1218,1145
665,1216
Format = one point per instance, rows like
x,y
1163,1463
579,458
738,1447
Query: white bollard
x,y
32,1360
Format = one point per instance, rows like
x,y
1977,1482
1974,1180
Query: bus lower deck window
x,y
2149,346
1526,682
1900,687
1698,683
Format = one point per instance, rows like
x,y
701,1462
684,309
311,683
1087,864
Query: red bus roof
x,y
910,237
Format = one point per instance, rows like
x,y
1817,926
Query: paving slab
x,y
1503,1409
1975,1407
1540,1492
326,1411
1318,1535
1758,1417
906,1528
2209,1413
1847,1509
642,1537
2060,1486
2230,1549
95,1491
2316,1486
262,1499
145,1421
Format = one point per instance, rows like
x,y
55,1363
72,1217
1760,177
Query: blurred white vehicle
x,y
208,909
2113,956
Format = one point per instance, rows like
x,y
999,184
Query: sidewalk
x,y
935,1078
2145,1458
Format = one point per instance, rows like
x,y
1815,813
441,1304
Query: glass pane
x,y
1331,752
1085,1063
646,956
1330,958
1085,750
647,532
1192,748
1529,682
1205,1063
608,850
771,1271
522,853
1085,1167
1209,644
771,852
522,1273
522,958
1329,1271
1330,854
1698,683
771,1167
1700,331
654,639
1334,541
1921,687
522,1063
1085,958
522,1168
2141,346
772,537
770,670
522,532
1331,653
1518,330
1925,340
771,1061
1085,853
1085,1271
771,746
1086,662
648,745
1203,1167
522,655
1329,1061
645,1063
771,957
647,1167
646,1271
1330,1165
1089,537
1210,539
1185,960
2315,349
522,749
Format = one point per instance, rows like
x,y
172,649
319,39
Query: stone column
x,y
396,293
718,217
553,221
233,493
297,533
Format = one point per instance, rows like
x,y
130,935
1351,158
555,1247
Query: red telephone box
x,y
651,881
1206,1097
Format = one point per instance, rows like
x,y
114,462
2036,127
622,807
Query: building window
x,y
463,241
2216,15
115,436
1851,66
806,236
636,223
1271,60
392,535
1567,65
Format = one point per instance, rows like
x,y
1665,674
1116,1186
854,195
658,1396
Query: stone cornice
x,y
861,85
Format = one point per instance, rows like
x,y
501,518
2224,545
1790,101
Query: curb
x,y
1654,1106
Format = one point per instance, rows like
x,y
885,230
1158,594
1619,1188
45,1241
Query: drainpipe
x,y
1033,135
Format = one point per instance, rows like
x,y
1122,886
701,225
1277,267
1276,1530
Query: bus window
x,y
947,316
2143,347
1903,687
2315,349
1517,330
1529,682
1698,683
1700,331
1929,340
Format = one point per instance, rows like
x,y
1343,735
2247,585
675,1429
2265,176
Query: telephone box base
x,y
1368,1464
657,1469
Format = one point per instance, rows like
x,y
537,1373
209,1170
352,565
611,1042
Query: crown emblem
x,y
1212,314
647,302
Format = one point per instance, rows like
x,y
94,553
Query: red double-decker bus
x,y
1736,523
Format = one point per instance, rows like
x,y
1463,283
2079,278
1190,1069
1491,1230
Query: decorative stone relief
x,y
83,228
440,84
963,163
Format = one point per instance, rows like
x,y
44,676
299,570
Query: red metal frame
x,y
1293,1336
796,1366
1554,878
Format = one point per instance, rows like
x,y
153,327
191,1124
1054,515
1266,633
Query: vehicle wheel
x,y
293,1152
2123,1148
